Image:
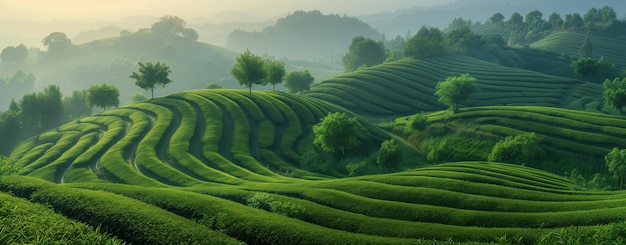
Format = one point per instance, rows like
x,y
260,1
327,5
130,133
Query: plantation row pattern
x,y
467,201
223,137
407,86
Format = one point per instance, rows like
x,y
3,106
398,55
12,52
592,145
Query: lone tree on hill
x,y
298,81
275,72
103,96
456,90
336,133
151,75
615,93
616,163
249,70
363,51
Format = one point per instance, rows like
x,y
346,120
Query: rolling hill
x,y
219,167
461,202
407,86
568,44
185,139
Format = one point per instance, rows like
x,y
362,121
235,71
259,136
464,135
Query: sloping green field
x,y
471,201
568,43
408,86
588,133
184,139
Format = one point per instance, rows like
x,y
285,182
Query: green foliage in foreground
x,y
126,218
24,222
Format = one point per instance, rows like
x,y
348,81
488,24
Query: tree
x,y
616,163
574,21
298,81
363,51
275,72
389,154
14,54
516,22
534,19
43,110
586,49
456,90
249,70
427,42
522,148
497,18
615,93
76,105
58,44
169,26
103,96
555,20
585,66
336,133
151,75
138,98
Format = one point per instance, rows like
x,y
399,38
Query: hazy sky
x,y
47,10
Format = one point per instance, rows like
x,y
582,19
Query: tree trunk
x,y
621,182
250,91
273,87
152,91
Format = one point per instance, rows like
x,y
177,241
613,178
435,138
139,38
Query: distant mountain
x,y
404,20
303,35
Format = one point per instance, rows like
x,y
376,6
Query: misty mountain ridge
x,y
403,20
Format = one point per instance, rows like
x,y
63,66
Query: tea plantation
x,y
221,167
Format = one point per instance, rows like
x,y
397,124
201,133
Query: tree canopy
x,y
337,133
427,42
58,44
298,81
363,51
520,149
14,54
103,96
615,93
249,70
616,163
275,72
456,90
151,75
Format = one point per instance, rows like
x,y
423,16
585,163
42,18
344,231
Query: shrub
x,y
8,166
417,122
356,168
264,201
389,154
315,162
522,148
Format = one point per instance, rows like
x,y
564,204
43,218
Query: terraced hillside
x,y
470,201
572,139
408,86
185,139
568,43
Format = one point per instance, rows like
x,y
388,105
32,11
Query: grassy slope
x,y
407,86
585,137
216,136
568,43
470,201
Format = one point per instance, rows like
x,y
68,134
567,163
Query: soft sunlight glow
x,y
46,10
